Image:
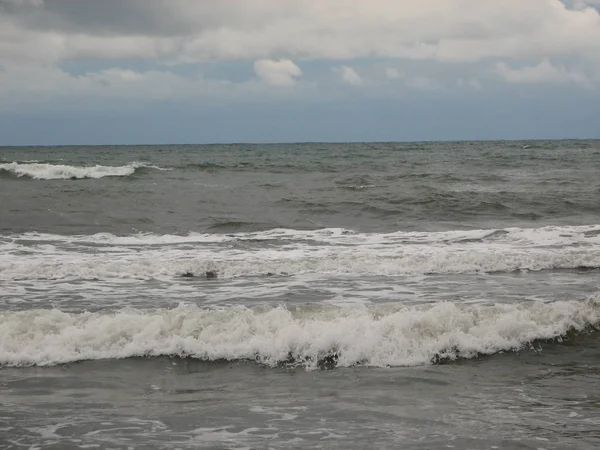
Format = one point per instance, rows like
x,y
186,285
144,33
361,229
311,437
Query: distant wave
x,y
43,171
296,252
312,336
260,166
207,166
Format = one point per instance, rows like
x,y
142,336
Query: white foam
x,y
42,171
544,236
389,335
157,265
339,252
141,239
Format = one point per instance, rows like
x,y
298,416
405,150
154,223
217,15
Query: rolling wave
x,y
234,264
44,171
323,252
311,336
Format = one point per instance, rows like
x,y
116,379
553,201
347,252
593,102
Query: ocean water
x,y
351,296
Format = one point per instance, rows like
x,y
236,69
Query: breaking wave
x,y
43,171
311,336
33,256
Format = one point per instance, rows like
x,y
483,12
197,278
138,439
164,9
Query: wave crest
x,y
311,336
44,171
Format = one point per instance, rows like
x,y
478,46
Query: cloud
x,y
277,73
392,74
544,72
349,76
47,88
202,30
57,50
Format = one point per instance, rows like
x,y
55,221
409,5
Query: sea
x,y
441,295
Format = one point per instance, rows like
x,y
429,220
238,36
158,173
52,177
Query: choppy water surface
x,y
440,295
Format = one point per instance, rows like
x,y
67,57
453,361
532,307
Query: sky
x,y
204,71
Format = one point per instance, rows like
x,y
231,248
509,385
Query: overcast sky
x,y
199,71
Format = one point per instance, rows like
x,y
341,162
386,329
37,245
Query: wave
x,y
548,235
206,166
44,171
358,183
235,264
311,336
327,252
269,166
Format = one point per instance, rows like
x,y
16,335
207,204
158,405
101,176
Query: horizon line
x,y
424,141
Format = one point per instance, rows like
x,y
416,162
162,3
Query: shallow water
x,y
545,398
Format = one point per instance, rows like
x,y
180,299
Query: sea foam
x,y
289,252
43,171
310,336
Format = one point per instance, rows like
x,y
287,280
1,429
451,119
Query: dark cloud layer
x,y
129,17
160,18
196,30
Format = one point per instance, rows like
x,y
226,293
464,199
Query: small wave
x,y
312,336
258,165
207,166
479,239
216,167
360,187
358,182
226,225
44,171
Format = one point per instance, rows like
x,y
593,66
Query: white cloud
x,y
277,73
392,74
544,72
25,88
349,76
